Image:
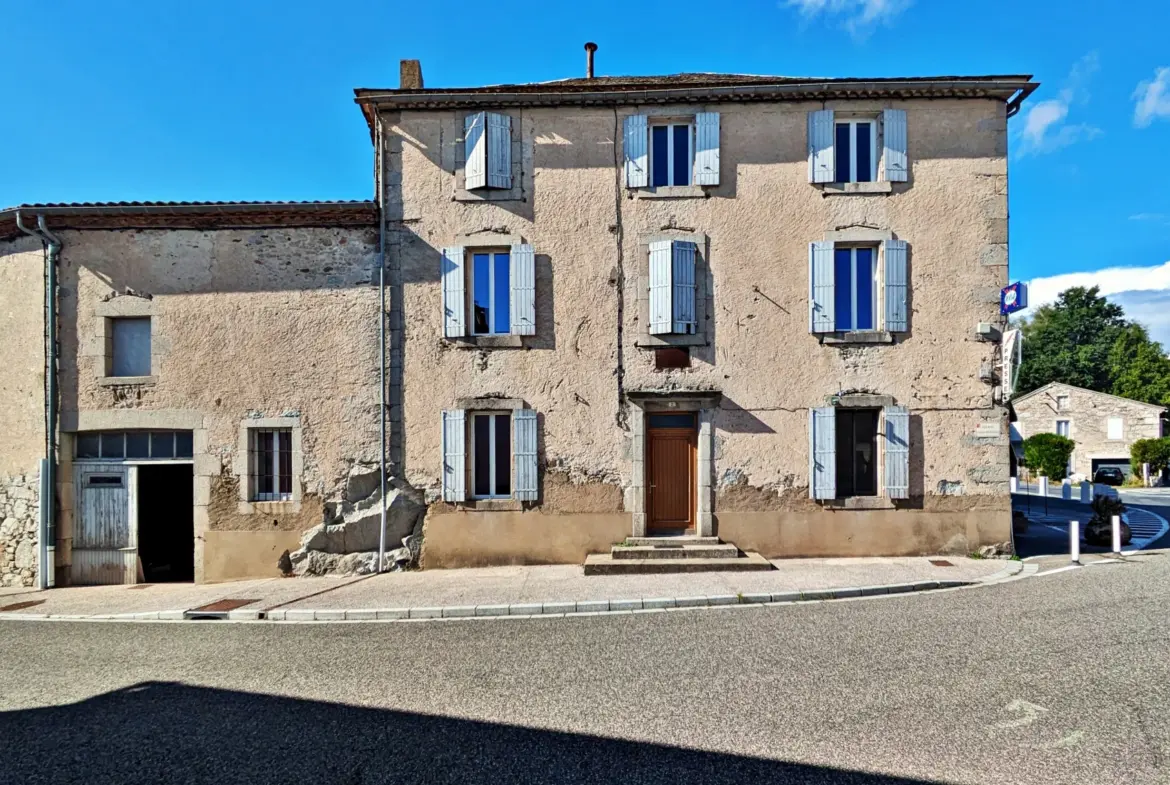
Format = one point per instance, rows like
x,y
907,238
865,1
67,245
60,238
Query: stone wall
x,y
19,521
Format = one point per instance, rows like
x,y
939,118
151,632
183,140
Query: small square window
x,y
856,151
1063,428
1116,428
270,464
855,288
491,287
1062,403
491,455
131,347
672,154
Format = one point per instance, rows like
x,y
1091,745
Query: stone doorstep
x,y
607,564
684,539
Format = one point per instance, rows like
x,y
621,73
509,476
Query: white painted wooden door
x,y
104,542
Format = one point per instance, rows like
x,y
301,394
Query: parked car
x,y
1109,475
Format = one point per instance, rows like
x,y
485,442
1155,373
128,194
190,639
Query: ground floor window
x,y
133,445
270,464
491,454
857,433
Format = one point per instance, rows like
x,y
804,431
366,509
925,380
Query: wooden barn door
x,y
671,448
104,548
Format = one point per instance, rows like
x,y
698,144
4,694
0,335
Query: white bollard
x,y
1086,492
1065,490
1014,484
1074,541
1043,485
1117,534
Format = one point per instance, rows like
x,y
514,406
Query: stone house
x,y
759,309
1103,426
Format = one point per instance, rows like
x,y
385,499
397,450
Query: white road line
x,y
1058,569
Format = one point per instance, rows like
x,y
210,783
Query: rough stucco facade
x,y
1088,413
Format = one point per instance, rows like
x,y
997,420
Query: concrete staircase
x,y
653,555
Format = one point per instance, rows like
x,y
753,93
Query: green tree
x,y
1155,452
1048,454
1070,341
1138,367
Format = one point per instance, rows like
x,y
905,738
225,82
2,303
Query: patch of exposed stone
x,y
19,521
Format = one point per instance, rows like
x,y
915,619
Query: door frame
x,y
692,474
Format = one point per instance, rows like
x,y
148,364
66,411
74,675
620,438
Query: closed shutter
x,y
499,169
821,300
522,296
897,286
821,165
454,306
897,448
524,455
474,151
634,148
822,453
682,283
894,142
707,148
661,312
454,455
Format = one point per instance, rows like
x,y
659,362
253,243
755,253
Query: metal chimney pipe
x,y
590,48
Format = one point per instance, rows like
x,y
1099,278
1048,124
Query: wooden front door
x,y
671,446
104,548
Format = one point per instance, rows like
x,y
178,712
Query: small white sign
x,y
987,430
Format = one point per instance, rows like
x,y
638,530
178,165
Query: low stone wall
x,y
19,521
469,538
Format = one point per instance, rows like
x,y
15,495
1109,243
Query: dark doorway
x,y
166,522
857,452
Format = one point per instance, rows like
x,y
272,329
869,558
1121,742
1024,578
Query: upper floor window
x,y
1062,403
502,284
1115,428
491,290
857,149
1063,428
487,149
858,287
130,355
669,152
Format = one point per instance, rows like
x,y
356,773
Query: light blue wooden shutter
x,y
454,455
499,150
522,290
682,282
707,148
822,453
821,132
821,300
634,148
474,151
524,455
897,449
896,286
454,304
894,142
661,264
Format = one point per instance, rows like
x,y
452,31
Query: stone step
x,y
606,564
674,551
679,540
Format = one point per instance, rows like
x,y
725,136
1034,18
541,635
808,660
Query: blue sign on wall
x,y
1013,297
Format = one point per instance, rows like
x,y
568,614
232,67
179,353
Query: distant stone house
x,y
1103,426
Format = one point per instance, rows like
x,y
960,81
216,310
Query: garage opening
x,y
166,522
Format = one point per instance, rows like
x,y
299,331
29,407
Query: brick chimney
x,y
410,75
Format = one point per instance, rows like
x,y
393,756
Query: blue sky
x,y
253,100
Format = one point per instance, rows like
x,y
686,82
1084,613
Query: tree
x,y
1155,452
1048,454
1070,341
1138,367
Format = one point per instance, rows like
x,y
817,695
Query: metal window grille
x,y
270,464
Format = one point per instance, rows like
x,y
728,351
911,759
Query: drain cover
x,y
941,563
20,606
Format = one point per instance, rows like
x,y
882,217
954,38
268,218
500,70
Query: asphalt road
x,y
1054,679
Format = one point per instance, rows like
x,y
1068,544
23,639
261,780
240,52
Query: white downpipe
x,y
381,344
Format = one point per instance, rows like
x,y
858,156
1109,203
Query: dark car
x,y
1109,475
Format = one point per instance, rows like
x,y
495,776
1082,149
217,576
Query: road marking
x,y
1031,713
1059,569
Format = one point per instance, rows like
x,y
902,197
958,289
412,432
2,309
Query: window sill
x,y
666,340
493,505
486,194
670,192
268,508
126,381
857,336
842,189
489,342
860,503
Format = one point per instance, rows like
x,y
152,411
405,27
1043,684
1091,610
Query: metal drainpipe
x,y
48,529
381,340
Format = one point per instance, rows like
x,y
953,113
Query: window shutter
x,y
707,148
661,291
822,453
499,150
454,306
454,455
524,455
897,449
897,286
634,144
474,152
821,168
821,302
522,297
682,282
894,141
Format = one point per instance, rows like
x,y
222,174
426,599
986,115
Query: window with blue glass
x,y
671,154
855,151
855,288
490,285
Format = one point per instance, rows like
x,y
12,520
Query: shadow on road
x,y
162,732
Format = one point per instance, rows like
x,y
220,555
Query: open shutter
x,y
821,301
822,453
524,455
454,455
821,166
897,449
634,144
454,306
522,294
682,282
707,148
474,151
661,273
499,150
896,286
894,142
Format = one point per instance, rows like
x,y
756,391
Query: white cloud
x,y
1153,99
1045,128
860,15
1157,218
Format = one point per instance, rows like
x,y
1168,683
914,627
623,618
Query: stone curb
x,y
559,609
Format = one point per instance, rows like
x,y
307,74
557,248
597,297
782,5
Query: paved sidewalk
x,y
505,591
